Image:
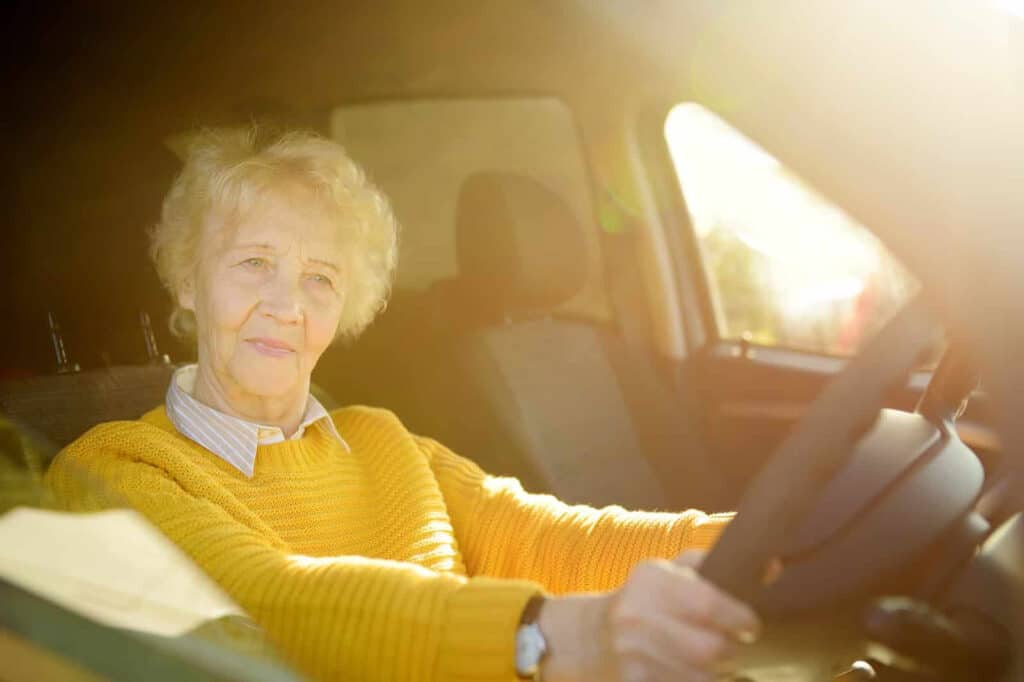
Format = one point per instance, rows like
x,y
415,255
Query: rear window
x,y
420,151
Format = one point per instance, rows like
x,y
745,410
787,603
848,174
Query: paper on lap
x,y
111,566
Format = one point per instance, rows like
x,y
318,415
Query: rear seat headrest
x,y
519,242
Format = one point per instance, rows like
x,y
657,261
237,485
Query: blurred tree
x,y
744,304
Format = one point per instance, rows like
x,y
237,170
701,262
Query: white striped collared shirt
x,y
232,439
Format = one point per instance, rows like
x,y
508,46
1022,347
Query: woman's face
x,y
268,295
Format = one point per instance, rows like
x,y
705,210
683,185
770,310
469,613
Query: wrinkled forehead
x,y
275,213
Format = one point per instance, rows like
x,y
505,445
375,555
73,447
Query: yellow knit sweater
x,y
397,561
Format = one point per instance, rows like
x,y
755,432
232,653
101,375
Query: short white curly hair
x,y
228,170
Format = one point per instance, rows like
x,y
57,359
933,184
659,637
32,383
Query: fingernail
x,y
748,635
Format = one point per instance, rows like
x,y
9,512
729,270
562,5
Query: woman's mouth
x,y
271,347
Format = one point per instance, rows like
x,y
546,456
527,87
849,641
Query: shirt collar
x,y
232,439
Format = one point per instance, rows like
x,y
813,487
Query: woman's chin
x,y
269,382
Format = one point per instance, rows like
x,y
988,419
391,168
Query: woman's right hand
x,y
664,623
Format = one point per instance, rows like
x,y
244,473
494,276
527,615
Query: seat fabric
x,y
62,407
59,408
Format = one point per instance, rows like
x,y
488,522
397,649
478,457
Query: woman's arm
x,y
342,617
506,532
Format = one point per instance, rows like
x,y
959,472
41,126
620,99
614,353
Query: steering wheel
x,y
782,493
747,558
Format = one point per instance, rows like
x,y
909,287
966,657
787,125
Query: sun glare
x,y
1013,7
786,267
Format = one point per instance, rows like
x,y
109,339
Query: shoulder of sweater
x,y
379,419
352,416
101,438
133,429
158,417
377,422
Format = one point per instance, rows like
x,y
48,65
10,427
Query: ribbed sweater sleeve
x,y
504,531
342,617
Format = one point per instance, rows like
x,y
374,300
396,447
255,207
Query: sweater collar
x,y
234,440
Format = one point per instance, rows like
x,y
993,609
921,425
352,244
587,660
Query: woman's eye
x,y
322,279
254,262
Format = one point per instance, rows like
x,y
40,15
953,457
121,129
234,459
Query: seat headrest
x,y
518,242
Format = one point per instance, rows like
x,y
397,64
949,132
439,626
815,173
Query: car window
x,y
784,266
419,151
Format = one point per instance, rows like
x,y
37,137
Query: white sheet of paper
x,y
111,566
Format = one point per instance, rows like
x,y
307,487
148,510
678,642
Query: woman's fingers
x,y
691,558
648,662
665,623
664,648
700,601
670,619
683,642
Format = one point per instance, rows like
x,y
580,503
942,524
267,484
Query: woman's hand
x,y
665,623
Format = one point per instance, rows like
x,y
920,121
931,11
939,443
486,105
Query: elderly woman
x,y
364,551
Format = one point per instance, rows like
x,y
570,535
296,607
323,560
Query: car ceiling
x,y
890,122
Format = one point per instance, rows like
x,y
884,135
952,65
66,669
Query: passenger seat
x,y
61,407
56,409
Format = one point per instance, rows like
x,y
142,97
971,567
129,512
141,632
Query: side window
x,y
785,268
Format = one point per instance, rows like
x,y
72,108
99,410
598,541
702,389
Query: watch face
x,y
530,648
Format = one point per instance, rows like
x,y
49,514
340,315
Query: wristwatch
x,y
530,643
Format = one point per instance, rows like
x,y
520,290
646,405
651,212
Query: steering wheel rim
x,y
786,488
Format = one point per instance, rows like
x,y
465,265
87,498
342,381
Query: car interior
x,y
729,256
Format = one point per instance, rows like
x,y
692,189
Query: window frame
x,y
689,275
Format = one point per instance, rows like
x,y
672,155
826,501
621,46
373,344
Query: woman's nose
x,y
282,300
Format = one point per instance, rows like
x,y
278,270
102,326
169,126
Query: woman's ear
x,y
187,293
